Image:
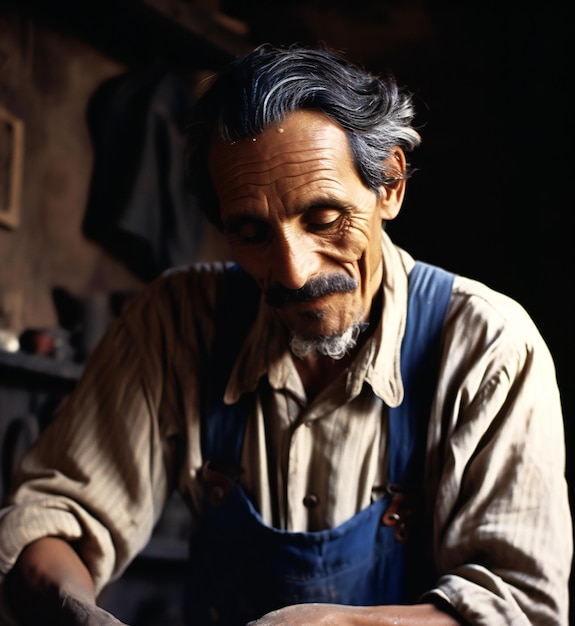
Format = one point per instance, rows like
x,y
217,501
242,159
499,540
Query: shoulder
x,y
481,309
182,292
491,340
185,303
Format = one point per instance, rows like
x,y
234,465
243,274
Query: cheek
x,y
355,243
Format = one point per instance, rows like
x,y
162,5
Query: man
x,y
373,441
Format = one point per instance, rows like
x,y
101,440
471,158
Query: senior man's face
x,y
298,217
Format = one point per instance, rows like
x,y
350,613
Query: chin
x,y
334,346
319,319
313,327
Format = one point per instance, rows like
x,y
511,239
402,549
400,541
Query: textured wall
x,y
46,80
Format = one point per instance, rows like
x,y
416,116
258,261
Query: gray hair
x,y
261,88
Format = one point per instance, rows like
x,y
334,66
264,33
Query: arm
x,y
98,475
51,584
502,526
414,615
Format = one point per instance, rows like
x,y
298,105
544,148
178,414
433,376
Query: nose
x,y
293,260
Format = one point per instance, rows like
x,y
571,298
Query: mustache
x,y
317,287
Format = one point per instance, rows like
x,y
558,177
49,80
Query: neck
x,y
318,372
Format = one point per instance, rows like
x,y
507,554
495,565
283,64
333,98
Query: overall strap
x,y
223,425
428,300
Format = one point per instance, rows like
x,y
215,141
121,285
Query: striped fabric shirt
x,y
103,469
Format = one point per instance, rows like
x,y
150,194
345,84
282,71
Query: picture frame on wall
x,y
11,167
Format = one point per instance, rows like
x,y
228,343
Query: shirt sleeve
x,y
503,537
100,473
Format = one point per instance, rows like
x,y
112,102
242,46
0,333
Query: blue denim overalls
x,y
241,568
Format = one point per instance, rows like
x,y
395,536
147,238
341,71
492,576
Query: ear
x,y
391,195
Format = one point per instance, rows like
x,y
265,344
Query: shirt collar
x,y
382,368
265,350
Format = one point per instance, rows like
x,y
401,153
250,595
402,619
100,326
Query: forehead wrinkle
x,y
255,174
232,199
269,165
324,179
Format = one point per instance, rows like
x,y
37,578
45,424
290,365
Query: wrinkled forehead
x,y
302,138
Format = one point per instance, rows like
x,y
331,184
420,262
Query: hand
x,y
340,615
50,584
308,614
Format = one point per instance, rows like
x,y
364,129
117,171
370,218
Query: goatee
x,y
335,346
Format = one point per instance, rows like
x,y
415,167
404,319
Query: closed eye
x,y
325,219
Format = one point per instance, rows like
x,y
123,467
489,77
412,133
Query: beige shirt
x,y
129,433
